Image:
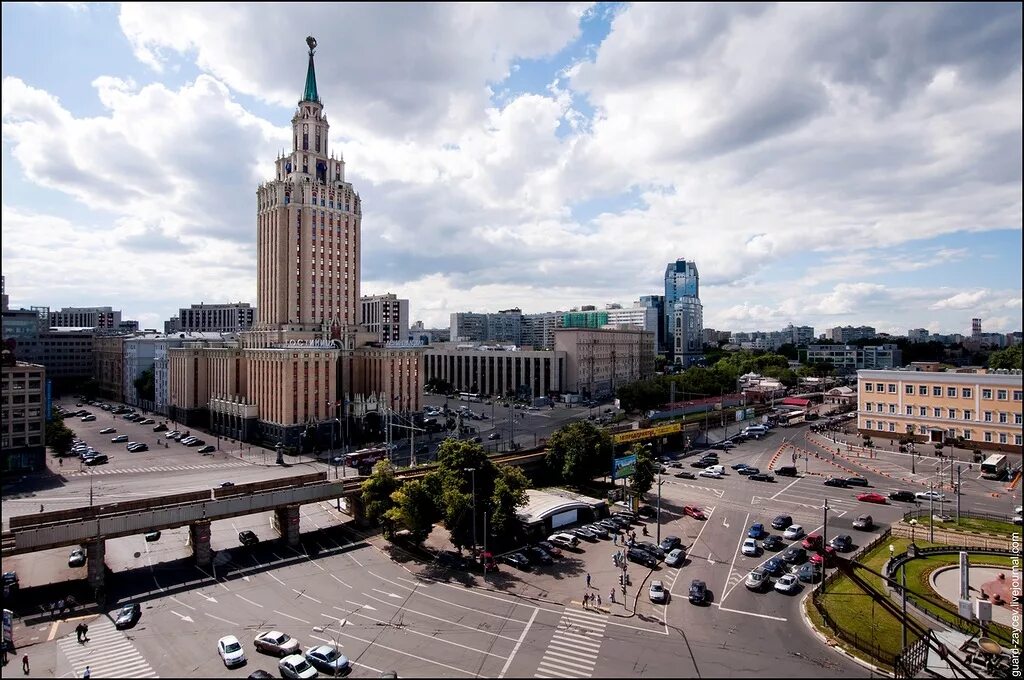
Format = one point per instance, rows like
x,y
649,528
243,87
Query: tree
x,y
1006,358
461,466
145,385
59,437
509,494
643,472
579,451
413,508
377,490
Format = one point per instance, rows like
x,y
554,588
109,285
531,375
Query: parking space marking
x,y
371,643
732,566
232,623
438,618
249,601
354,663
738,611
290,617
519,642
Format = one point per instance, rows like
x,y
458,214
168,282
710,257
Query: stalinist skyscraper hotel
x,y
306,360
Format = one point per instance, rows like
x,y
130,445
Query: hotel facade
x,y
306,362
984,408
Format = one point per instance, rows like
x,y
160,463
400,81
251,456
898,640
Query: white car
x,y
295,666
713,474
657,591
230,650
793,532
929,495
675,558
751,548
756,579
787,583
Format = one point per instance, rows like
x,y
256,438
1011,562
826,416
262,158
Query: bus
x,y
470,396
792,418
994,467
366,458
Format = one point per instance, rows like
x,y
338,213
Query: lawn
x,y
985,526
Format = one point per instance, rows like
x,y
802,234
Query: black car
x,y
152,536
773,543
857,481
701,464
128,615
842,543
247,537
517,560
641,556
670,543
98,459
809,573
787,471
685,475
651,547
698,591
549,548
776,566
762,477
837,481
260,674
782,522
451,559
538,555
646,511
749,471
905,496
795,555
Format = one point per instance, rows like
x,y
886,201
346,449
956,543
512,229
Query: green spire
x,y
310,95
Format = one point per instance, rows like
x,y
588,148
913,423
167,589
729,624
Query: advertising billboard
x,y
648,433
623,467
49,400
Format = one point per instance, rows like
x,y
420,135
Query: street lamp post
x,y
472,471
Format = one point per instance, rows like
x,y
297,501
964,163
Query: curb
x,y
836,646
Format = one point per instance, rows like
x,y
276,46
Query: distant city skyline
x,y
563,155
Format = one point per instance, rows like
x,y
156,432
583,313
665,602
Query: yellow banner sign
x,y
649,433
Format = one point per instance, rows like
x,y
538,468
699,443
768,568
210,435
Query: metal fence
x,y
918,513
866,646
960,538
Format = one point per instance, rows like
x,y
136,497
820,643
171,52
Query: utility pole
x,y
903,591
931,512
824,533
483,563
472,471
959,469
658,538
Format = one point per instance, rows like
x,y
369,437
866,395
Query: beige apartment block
x,y
23,427
108,365
497,370
601,360
984,408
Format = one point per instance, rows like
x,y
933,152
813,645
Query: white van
x,y
755,430
720,469
563,539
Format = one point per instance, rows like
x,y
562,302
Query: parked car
x,y
904,496
160,428
247,537
147,421
328,659
782,521
836,481
646,511
809,573
787,583
138,447
550,549
152,536
97,459
750,547
295,667
842,543
108,430
652,548
683,474
494,435
761,477
537,555
713,474
795,555
657,592
793,532
773,543
787,471
756,530
609,525
128,615
812,542
172,434
209,448
698,591
119,439
584,533
929,495
774,566
641,557
597,530
756,579
738,466
675,558
701,464
76,558
694,511
749,471
564,540
230,651
857,481
517,560
826,557
275,642
872,498
670,543
863,522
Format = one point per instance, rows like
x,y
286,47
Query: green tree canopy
x,y
413,508
58,436
1006,358
461,466
509,494
579,451
643,473
377,491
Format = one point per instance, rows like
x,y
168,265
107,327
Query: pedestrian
x,y
24,664
87,673
78,632
615,539
40,507
585,597
599,599
611,595
60,606
588,579
60,462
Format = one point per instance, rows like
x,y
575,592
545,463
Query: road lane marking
x,y
362,606
290,617
738,611
303,594
438,618
786,488
732,567
460,606
340,581
172,597
249,601
372,643
220,619
522,636
407,629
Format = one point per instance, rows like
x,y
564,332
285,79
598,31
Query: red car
x,y
812,542
872,498
828,556
694,511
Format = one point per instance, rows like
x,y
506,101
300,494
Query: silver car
x,y
328,659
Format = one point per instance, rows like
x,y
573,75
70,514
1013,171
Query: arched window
x,y
305,137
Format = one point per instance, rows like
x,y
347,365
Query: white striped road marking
x,y
570,654
522,636
108,654
291,617
438,618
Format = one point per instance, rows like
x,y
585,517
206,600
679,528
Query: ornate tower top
x,y
310,95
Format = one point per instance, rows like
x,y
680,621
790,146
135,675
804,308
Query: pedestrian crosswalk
x,y
158,468
573,650
108,654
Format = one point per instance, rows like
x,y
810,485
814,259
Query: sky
x,y
823,165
